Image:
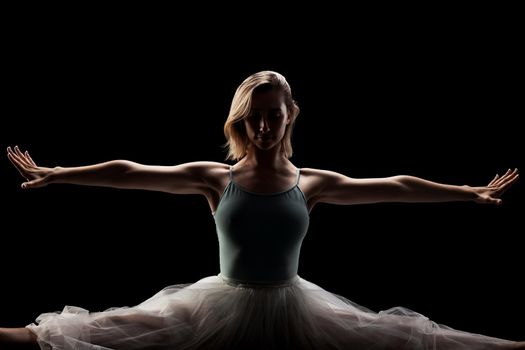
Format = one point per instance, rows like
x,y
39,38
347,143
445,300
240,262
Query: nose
x,y
263,124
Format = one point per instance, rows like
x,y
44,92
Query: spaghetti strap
x,y
231,175
297,178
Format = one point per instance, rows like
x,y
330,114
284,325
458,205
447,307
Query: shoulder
x,y
210,172
207,168
315,181
208,165
321,179
320,174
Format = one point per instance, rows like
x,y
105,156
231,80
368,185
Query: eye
x,y
254,114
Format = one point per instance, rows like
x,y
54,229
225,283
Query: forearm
x,y
414,189
107,174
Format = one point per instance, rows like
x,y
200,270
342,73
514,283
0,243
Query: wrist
x,y
471,193
55,175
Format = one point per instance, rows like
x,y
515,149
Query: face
x,y
268,118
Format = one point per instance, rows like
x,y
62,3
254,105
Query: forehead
x,y
270,99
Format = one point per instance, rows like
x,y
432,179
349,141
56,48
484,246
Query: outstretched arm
x,y
336,188
188,178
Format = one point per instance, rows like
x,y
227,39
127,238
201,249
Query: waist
x,y
259,284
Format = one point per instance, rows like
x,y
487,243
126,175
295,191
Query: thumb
x,y
33,184
496,201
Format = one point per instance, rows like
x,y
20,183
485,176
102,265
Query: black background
x,y
434,93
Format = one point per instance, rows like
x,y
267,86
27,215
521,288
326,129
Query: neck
x,y
268,159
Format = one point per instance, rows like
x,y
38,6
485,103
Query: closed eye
x,y
273,113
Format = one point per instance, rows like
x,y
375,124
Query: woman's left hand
x,y
491,193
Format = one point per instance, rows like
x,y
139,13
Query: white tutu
x,y
221,313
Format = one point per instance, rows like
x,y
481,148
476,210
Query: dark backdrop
x,y
434,98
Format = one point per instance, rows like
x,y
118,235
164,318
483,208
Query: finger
x,y
15,156
510,175
506,185
21,156
496,201
498,181
18,152
493,180
491,200
17,165
33,184
503,178
16,162
11,151
30,159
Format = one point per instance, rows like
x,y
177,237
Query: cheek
x,y
284,125
250,128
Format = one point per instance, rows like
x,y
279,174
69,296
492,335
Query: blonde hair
x,y
234,129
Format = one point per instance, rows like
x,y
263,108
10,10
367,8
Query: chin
x,y
265,144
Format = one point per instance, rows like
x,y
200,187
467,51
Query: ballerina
x,y
261,207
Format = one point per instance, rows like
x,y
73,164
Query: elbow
x,y
401,180
402,183
120,163
118,174
120,167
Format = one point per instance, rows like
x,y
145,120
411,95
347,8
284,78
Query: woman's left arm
x,y
336,188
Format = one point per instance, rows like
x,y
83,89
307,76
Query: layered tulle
x,y
220,313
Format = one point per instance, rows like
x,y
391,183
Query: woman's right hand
x,y
36,176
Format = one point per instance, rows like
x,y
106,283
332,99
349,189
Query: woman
x,y
261,208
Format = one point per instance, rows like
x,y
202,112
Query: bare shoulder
x,y
314,180
317,172
214,174
319,175
207,169
207,165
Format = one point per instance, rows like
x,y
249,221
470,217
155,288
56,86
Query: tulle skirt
x,y
221,313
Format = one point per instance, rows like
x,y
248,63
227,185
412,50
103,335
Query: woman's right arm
x,y
187,178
